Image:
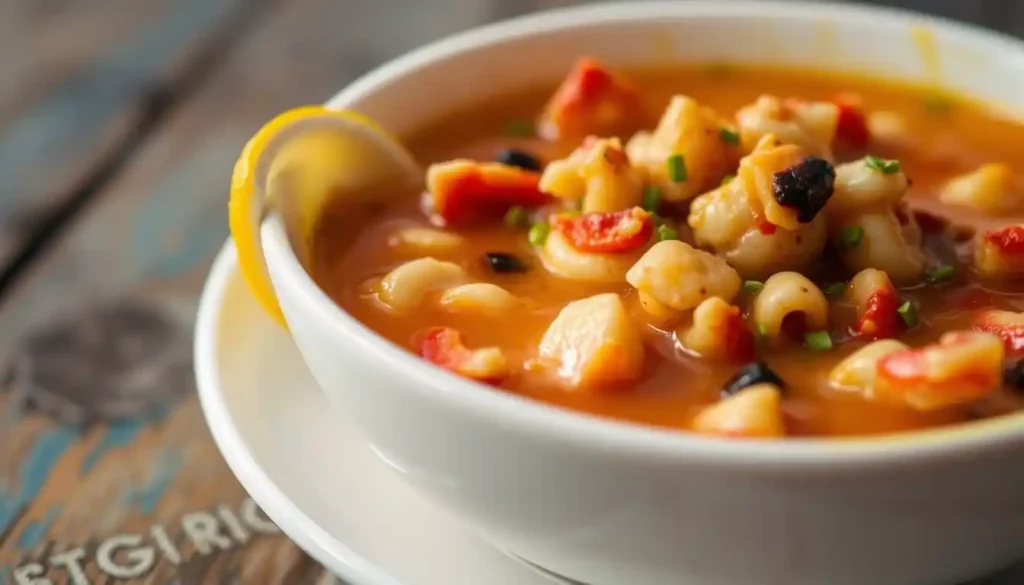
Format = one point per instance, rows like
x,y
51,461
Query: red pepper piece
x,y
1008,240
607,232
591,100
852,127
443,346
1006,324
739,341
881,318
461,190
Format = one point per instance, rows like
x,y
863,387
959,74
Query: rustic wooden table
x,y
119,123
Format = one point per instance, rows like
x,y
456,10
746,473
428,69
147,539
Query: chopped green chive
x,y
886,167
909,313
666,232
677,168
538,233
517,216
851,237
727,179
818,341
652,199
752,287
835,289
939,273
729,136
520,128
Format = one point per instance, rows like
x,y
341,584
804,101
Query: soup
x,y
731,251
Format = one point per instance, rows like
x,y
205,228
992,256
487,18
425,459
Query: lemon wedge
x,y
292,165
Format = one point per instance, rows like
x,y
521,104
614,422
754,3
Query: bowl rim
x,y
555,424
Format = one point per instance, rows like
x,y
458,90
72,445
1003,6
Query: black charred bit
x,y
805,187
504,263
749,375
1013,377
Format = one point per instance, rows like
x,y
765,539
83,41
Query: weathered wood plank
x,y
149,240
79,79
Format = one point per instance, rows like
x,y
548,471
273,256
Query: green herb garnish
x,y
835,289
886,167
851,237
677,168
520,128
538,233
939,273
909,313
818,341
517,216
666,232
752,287
652,199
729,136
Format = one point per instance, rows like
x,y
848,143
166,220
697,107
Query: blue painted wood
x,y
50,145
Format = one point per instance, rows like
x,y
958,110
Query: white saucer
x,y
309,471
315,477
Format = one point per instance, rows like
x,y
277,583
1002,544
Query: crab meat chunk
x,y
990,189
694,134
964,366
1008,325
810,125
599,173
443,346
680,276
594,343
999,254
859,188
754,412
858,371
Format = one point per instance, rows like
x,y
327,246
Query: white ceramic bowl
x,y
614,504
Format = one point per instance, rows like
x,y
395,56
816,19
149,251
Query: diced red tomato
x,y
607,232
852,127
443,346
880,319
591,100
739,341
1008,240
462,189
1009,326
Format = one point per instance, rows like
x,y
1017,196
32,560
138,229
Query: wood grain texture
x,y
79,79
147,242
